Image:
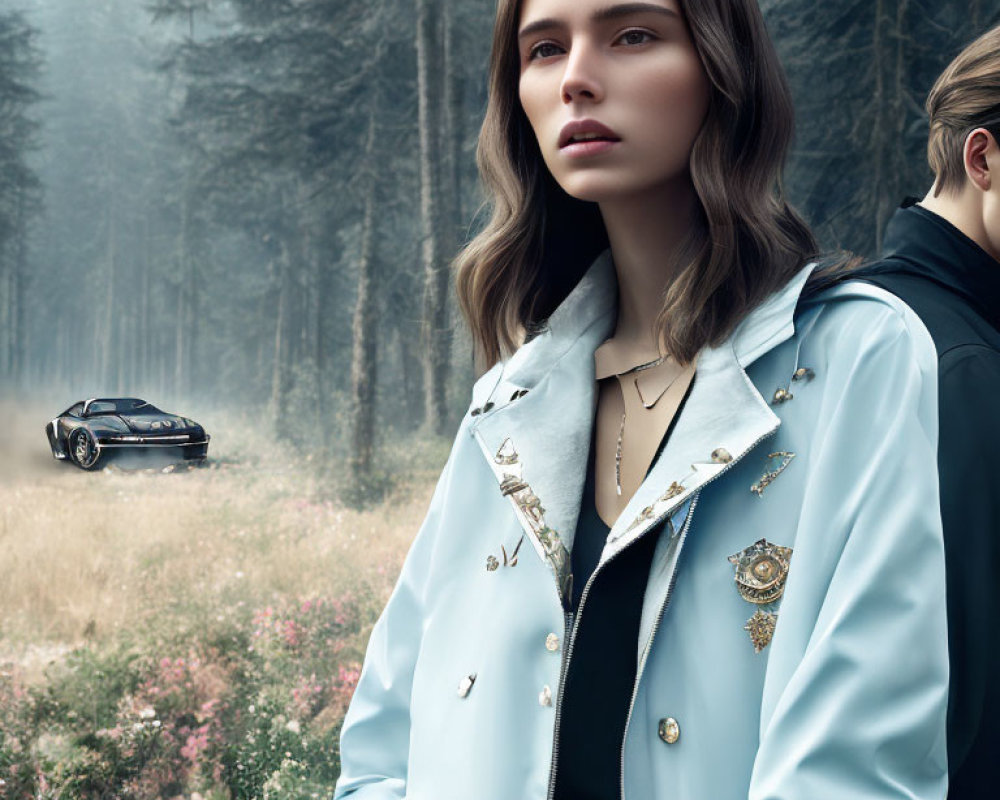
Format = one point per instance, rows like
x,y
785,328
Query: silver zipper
x,y
645,653
568,619
666,600
568,653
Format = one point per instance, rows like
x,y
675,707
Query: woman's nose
x,y
580,80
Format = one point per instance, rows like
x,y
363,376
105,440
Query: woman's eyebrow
x,y
627,9
601,15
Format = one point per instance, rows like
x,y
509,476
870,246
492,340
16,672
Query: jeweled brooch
x,y
761,628
761,572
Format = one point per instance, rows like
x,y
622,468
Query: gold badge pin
x,y
761,570
777,462
506,455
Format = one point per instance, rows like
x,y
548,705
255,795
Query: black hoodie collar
x,y
919,242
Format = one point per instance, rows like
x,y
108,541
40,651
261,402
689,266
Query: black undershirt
x,y
601,676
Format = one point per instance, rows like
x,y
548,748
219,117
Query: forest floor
x,y
107,576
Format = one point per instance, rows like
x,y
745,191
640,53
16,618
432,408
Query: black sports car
x,y
87,431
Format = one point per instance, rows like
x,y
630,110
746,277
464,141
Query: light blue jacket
x,y
459,695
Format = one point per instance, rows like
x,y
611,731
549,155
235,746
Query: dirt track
x,y
24,453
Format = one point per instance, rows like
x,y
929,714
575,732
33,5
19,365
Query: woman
x,y
687,543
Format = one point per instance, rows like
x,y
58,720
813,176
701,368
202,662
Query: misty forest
x,y
246,211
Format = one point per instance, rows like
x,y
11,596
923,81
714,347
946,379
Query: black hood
x,y
154,423
919,242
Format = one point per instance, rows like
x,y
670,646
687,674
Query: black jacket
x,y
954,286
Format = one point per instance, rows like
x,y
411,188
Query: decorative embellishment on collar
x,y
801,375
778,462
477,411
673,491
659,505
511,484
512,561
529,508
506,454
784,394
721,456
492,563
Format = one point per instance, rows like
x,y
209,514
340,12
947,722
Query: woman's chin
x,y
594,189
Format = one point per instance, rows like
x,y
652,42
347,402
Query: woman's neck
x,y
648,234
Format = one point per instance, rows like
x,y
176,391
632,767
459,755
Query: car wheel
x,y
84,450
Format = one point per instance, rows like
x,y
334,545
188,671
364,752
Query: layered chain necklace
x,y
654,393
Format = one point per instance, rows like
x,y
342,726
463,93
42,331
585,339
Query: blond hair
x,y
964,98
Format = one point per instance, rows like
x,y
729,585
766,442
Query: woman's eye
x,y
543,50
635,37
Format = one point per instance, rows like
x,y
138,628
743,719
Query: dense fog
x,y
254,203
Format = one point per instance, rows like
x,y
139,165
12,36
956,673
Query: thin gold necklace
x,y
621,429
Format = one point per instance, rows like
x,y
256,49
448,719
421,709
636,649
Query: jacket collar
x,y
548,430
590,310
920,242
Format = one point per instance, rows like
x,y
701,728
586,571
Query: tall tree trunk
x,y
193,321
318,309
15,314
186,327
435,337
144,350
880,128
364,328
452,132
18,293
106,366
5,314
321,293
180,330
411,357
281,365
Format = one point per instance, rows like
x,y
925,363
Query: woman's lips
x,y
586,137
588,147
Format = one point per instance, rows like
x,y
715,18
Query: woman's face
x,y
615,93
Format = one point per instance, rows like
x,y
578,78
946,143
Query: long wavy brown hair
x,y
748,241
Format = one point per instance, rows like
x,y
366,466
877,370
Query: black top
x,y
954,286
601,675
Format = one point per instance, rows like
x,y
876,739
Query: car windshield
x,y
130,405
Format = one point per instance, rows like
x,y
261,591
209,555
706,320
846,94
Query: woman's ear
x,y
982,159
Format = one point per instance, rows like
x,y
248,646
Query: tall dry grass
x,y
93,556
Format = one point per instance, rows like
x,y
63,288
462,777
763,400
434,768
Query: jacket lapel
x,y
537,447
537,444
723,419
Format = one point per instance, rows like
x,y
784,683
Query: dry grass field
x,y
192,633
87,557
